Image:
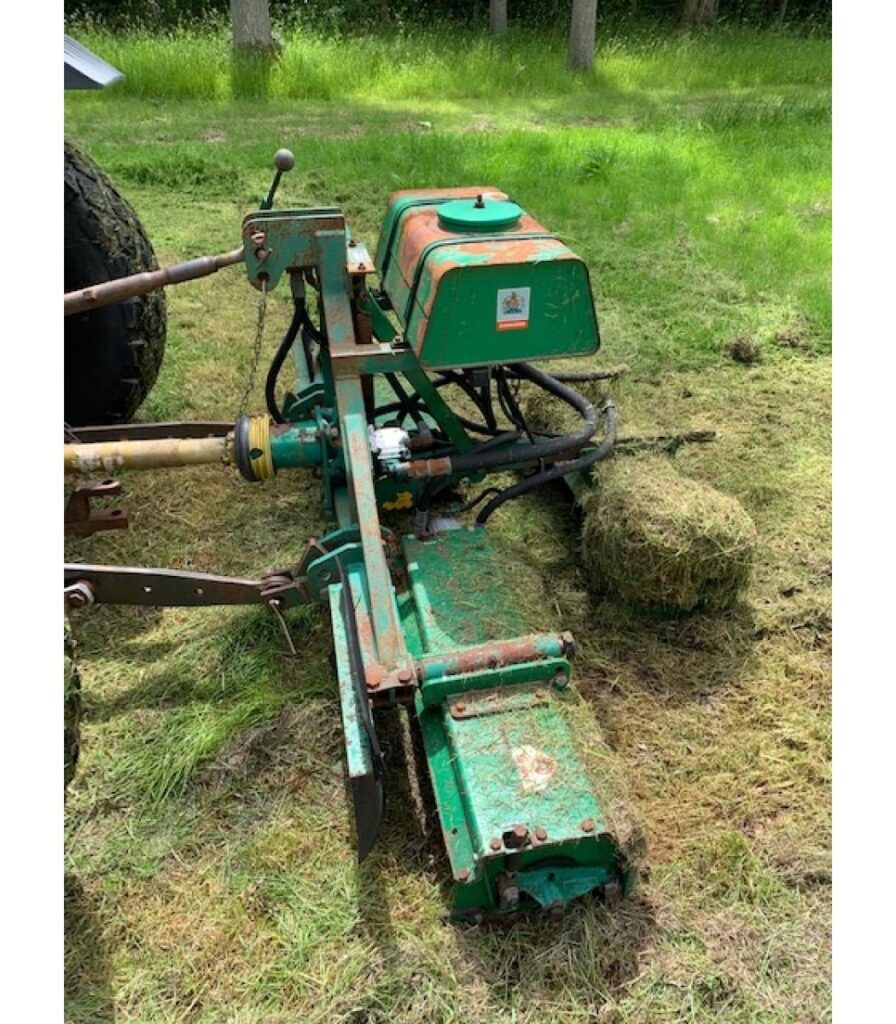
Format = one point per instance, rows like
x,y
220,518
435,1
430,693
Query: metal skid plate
x,y
522,822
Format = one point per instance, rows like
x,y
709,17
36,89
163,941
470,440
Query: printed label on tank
x,y
513,309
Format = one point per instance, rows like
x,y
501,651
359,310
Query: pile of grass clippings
x,y
658,539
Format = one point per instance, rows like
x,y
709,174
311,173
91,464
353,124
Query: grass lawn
x,y
210,871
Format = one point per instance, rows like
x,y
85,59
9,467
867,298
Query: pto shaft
x,y
112,456
254,446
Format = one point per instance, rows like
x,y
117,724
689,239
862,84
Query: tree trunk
x,y
497,18
699,12
251,23
581,34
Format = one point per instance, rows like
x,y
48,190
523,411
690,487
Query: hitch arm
x,y
172,588
96,296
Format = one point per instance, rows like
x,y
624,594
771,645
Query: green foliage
x,y
352,15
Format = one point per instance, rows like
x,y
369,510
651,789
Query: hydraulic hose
x,y
558,470
436,485
543,449
299,316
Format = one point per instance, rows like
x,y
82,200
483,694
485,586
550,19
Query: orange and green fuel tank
x,y
474,280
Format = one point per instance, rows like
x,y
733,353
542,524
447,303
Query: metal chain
x,y
256,351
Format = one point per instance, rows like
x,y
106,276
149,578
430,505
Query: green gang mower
x,y
472,292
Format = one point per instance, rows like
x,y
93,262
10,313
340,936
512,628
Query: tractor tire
x,y
72,706
112,355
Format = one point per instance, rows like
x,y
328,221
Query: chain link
x,y
256,351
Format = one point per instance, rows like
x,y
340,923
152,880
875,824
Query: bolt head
x,y
587,825
496,844
541,834
405,675
463,875
460,706
560,681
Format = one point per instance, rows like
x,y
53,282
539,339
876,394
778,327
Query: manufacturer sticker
x,y
513,309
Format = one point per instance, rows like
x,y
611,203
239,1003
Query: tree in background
x,y
251,23
699,12
581,35
497,18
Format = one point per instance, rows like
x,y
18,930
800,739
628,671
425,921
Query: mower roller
x,y
472,290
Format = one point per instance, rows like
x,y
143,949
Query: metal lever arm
x,y
172,588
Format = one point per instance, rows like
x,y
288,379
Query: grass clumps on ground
x,y
658,539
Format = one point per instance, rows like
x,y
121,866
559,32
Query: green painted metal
x,y
300,444
476,280
470,294
507,758
382,327
439,408
522,823
275,241
479,214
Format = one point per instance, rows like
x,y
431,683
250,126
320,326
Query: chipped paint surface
x,y
536,768
443,285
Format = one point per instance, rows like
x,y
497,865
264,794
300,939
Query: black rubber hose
x,y
546,449
433,487
558,470
574,376
415,402
299,316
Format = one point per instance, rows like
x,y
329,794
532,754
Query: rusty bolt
x,y
405,675
539,694
76,599
463,874
460,707
257,238
517,837
496,844
541,834
587,825
372,684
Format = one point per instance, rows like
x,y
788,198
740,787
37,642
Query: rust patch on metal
x,y
488,656
81,520
429,467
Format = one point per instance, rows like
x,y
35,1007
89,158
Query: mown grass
x,y
210,872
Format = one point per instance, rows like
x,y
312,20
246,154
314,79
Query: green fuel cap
x,y
479,214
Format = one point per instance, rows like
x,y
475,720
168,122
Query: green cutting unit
x,y
406,394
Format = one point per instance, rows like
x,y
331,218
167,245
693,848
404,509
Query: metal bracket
x,y
81,520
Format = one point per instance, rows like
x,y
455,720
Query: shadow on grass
x,y
88,990
678,660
